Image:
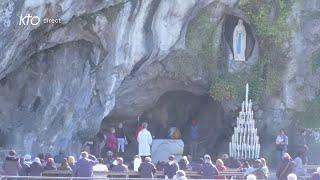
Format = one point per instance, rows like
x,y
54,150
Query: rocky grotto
x,y
164,60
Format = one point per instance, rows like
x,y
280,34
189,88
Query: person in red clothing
x,y
139,128
220,166
112,143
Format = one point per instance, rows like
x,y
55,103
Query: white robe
x,y
144,140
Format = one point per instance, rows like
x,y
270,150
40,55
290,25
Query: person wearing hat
x,y
170,168
208,171
36,167
11,164
194,138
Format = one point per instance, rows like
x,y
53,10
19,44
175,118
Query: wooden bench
x,y
131,173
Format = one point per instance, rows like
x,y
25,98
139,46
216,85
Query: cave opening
x,y
179,108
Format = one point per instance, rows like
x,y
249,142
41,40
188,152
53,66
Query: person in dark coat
x,y
25,165
209,171
286,167
51,165
147,168
171,167
36,167
195,166
59,157
120,134
11,165
184,163
41,156
84,167
120,167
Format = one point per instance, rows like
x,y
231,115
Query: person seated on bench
x,y
221,167
292,176
36,167
209,171
120,167
171,167
51,165
100,166
64,165
181,175
147,168
84,167
184,163
316,175
251,177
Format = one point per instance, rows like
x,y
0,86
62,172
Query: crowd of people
x,y
87,164
114,146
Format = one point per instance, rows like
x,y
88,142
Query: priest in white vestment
x,y
145,141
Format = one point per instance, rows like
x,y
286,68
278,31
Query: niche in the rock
x,y
229,24
178,108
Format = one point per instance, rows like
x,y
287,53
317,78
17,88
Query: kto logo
x,y
28,19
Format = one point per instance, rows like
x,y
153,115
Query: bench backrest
x,y
60,173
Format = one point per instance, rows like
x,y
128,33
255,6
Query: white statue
x,y
239,42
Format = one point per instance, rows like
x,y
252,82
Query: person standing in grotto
x,y
121,138
194,138
99,142
282,143
303,147
145,140
112,143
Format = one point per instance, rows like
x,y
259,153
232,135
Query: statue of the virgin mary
x,y
239,42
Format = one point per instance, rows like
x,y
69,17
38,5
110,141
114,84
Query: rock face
x,y
114,59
